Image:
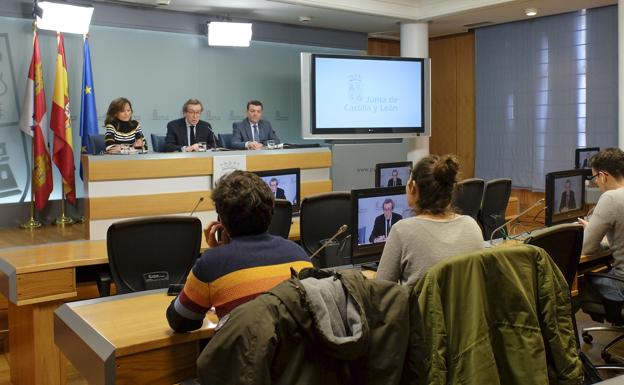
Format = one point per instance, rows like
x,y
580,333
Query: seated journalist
x,y
607,219
244,262
436,231
253,132
121,129
185,133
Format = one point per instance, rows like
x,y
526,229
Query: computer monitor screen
x,y
583,155
284,184
565,196
374,212
392,174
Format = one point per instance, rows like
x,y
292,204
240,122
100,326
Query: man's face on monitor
x,y
387,210
273,186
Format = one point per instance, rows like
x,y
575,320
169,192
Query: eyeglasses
x,y
193,113
593,176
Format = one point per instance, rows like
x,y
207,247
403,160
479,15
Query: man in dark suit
x,y
185,133
384,222
253,132
567,201
395,180
278,193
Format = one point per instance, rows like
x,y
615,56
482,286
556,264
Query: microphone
x,y
201,199
214,140
512,220
341,230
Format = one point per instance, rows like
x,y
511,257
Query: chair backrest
x,y
225,140
495,198
97,144
468,196
158,142
141,252
321,216
564,244
282,218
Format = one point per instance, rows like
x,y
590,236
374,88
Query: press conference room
x,y
259,192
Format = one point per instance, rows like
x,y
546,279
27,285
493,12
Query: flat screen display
x,y
565,196
284,184
375,211
392,174
583,155
363,97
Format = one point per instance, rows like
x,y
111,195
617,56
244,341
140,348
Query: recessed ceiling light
x,y
530,11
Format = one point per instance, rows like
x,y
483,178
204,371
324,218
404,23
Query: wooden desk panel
x,y
126,339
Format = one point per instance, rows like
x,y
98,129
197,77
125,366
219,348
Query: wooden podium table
x,y
126,339
119,187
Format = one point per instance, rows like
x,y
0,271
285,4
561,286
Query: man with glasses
x,y
608,218
186,133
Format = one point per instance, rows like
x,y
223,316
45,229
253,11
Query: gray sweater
x,y
608,219
415,244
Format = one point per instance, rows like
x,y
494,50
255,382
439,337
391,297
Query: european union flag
x,y
88,112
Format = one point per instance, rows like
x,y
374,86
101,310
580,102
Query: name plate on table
x,y
225,164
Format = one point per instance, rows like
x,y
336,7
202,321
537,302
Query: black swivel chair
x,y
151,253
492,214
158,142
468,196
602,309
564,244
97,144
225,140
320,218
282,218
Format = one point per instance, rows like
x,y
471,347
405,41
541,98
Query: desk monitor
x,y
583,155
565,196
285,184
385,172
373,211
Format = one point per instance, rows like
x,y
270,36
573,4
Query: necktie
x,y
255,134
192,135
387,227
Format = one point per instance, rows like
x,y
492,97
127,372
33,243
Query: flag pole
x,y
32,223
63,219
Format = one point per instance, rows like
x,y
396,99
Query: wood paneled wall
x,y
452,94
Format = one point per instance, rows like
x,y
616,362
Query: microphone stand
x,y
512,220
341,230
201,199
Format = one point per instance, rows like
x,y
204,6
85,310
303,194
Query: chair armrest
x,y
104,283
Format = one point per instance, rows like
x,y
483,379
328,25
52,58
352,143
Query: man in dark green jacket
x,y
342,329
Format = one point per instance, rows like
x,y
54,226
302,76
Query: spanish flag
x,y
60,122
32,121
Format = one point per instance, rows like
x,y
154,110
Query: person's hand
x,y
211,237
114,149
138,143
192,148
255,146
380,238
583,222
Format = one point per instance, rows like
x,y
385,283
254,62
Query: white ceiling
x,y
375,16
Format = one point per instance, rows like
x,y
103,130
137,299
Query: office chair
x,y
468,196
158,142
492,214
225,140
477,310
564,244
320,218
282,218
151,253
97,144
602,309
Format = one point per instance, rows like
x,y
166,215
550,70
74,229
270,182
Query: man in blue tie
x,y
253,132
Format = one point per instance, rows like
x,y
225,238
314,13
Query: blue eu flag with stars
x,y
88,112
